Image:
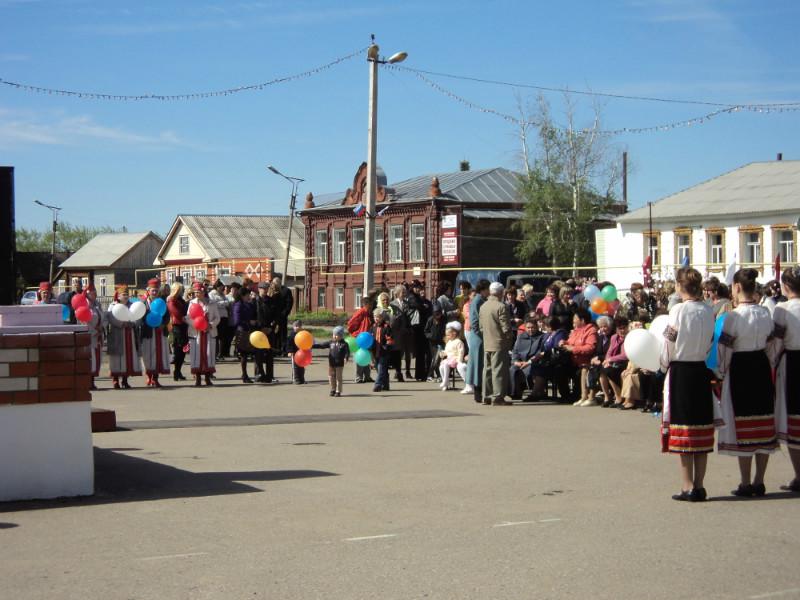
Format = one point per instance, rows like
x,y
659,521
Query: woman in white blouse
x,y
688,416
748,394
787,349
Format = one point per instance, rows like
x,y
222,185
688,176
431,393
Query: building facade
x,y
745,218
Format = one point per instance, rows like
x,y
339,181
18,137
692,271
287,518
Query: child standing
x,y
453,354
298,373
338,354
382,349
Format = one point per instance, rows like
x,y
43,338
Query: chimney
x,y
780,156
463,165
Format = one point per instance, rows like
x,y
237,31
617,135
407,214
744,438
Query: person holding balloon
x,y
44,295
123,339
299,340
203,321
338,355
688,416
155,349
361,322
243,320
382,347
96,325
748,394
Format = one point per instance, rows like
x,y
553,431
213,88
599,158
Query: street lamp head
x,y
397,57
372,53
274,170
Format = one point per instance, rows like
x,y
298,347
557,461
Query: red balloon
x,y
200,323
195,310
302,358
612,307
78,300
83,314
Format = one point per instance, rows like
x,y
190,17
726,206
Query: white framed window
x,y
223,271
200,274
751,247
339,241
683,247
84,282
321,247
358,245
103,291
784,245
378,249
417,242
170,277
183,244
338,298
716,247
395,243
187,277
357,295
320,297
652,246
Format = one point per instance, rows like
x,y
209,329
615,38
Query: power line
x,y
190,96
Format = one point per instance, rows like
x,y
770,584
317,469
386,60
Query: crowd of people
x,y
510,343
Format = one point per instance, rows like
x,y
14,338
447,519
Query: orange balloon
x,y
304,340
599,306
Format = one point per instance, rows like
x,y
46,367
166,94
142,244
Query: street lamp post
x,y
295,181
374,60
55,210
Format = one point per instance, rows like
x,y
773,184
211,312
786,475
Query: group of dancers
x,y
758,402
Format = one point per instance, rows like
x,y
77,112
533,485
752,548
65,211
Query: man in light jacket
x,y
495,324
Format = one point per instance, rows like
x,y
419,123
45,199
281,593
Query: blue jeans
x,y
382,379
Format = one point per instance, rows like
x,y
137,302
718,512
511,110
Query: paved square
x,y
283,492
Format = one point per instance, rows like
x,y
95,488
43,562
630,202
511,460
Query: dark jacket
x,y
241,315
528,346
290,345
287,302
338,354
434,331
384,343
267,311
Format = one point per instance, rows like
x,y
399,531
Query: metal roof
x,y
472,213
104,249
482,186
756,188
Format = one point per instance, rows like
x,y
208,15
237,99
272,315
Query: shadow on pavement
x,y
769,496
123,478
8,525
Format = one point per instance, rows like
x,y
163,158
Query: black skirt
x,y
691,409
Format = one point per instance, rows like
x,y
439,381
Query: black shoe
x,y
263,379
684,496
332,393
408,375
246,379
377,389
338,394
759,489
698,495
399,377
369,380
744,491
792,486
386,388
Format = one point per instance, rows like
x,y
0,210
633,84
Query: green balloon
x,y
351,343
609,293
363,357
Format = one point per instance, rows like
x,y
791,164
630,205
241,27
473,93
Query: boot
x,y
208,379
197,382
125,383
155,381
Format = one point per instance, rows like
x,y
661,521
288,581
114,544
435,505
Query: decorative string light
x,y
757,108
169,97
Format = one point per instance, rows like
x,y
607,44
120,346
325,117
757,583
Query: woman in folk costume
x,y
748,394
203,344
787,349
688,417
44,295
97,330
176,308
123,342
155,349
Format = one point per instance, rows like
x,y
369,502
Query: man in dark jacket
x,y
66,298
266,316
434,333
421,309
528,345
284,309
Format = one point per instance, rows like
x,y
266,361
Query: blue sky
x,y
140,163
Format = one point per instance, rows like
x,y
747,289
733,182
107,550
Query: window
x,y
183,244
417,242
716,247
223,271
200,275
751,247
378,248
395,243
784,245
358,245
170,277
103,289
320,297
339,239
186,277
321,247
357,295
683,247
84,282
652,243
338,298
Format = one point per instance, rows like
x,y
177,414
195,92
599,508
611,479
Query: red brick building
x,y
427,228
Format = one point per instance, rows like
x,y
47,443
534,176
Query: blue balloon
x,y
159,307
365,340
153,320
591,292
713,360
64,312
594,315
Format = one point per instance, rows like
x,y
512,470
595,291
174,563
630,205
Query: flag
x,y
383,210
685,261
647,271
359,208
777,267
730,272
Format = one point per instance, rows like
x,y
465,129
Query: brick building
x,y
427,228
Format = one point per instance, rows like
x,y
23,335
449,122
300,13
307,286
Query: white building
x,y
744,218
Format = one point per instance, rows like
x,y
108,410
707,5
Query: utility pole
x,y
55,210
295,181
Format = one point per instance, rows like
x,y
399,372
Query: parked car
x,y
28,298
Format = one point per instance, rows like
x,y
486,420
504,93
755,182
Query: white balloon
x,y
137,310
121,313
643,349
657,328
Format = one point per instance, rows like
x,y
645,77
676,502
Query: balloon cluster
x,y
601,302
158,308
198,316
121,312
363,342
304,342
80,304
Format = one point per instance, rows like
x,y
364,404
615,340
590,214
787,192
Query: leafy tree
x,y
69,238
567,185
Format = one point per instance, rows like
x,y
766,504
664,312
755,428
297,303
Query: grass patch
x,y
321,317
